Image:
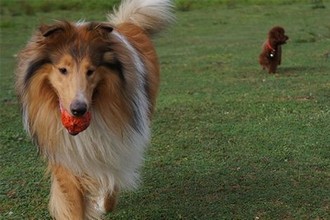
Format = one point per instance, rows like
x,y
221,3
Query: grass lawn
x,y
229,140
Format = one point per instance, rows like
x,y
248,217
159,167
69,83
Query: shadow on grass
x,y
235,194
214,196
294,71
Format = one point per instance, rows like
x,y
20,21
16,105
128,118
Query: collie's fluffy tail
x,y
150,15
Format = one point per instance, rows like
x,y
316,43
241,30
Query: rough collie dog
x,y
271,54
88,91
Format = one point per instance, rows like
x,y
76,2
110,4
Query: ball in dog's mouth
x,y
74,125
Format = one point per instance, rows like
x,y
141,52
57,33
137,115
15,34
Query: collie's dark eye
x,y
90,72
63,71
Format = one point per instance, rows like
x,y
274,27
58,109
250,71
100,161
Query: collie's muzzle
x,y
78,120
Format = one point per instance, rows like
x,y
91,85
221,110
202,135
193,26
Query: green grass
x,y
229,140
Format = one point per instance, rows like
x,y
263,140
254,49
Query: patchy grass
x,y
229,140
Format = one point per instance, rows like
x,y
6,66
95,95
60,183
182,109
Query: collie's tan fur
x,y
112,68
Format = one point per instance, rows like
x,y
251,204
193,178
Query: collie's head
x,y
78,67
74,57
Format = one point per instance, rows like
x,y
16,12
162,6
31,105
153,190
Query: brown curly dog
x,y
270,56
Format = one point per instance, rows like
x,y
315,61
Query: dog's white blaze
x,y
80,96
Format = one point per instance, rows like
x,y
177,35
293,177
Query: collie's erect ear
x,y
48,30
105,27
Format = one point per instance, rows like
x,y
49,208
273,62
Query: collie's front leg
x,y
66,199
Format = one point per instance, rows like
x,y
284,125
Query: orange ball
x,y
73,124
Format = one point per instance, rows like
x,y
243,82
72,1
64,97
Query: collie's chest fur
x,y
102,154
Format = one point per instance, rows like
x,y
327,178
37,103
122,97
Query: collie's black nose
x,y
78,108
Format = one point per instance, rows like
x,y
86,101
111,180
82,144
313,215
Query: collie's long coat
x,y
109,70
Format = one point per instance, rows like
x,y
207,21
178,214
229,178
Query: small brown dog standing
x,y
270,56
